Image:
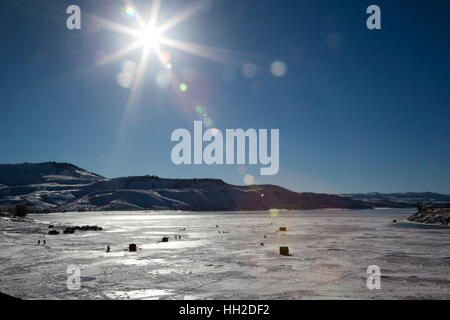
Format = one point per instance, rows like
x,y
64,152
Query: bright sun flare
x,y
149,37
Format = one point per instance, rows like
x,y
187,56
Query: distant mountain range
x,y
401,200
52,187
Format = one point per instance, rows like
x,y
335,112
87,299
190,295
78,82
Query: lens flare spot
x,y
249,179
200,109
129,10
165,57
274,213
183,87
278,69
207,122
125,80
214,131
262,195
129,67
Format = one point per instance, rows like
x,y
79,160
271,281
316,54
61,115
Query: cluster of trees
x,y
19,210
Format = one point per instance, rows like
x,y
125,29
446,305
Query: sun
x,y
149,38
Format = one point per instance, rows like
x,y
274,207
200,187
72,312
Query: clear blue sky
x,y
358,110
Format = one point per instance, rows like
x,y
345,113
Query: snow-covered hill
x,y
64,187
196,194
401,200
48,172
42,186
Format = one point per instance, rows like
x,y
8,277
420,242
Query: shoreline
x,y
221,211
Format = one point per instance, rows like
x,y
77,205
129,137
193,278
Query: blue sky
x,y
358,110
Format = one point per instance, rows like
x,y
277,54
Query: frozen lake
x,y
331,250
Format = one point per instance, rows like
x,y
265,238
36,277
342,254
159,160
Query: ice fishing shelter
x,y
284,251
132,247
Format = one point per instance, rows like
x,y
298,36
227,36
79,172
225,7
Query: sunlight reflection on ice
x,y
146,294
136,262
172,245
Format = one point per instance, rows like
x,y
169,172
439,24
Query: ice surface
x,y
331,250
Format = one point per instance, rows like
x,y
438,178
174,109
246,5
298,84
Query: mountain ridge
x,y
53,186
401,199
